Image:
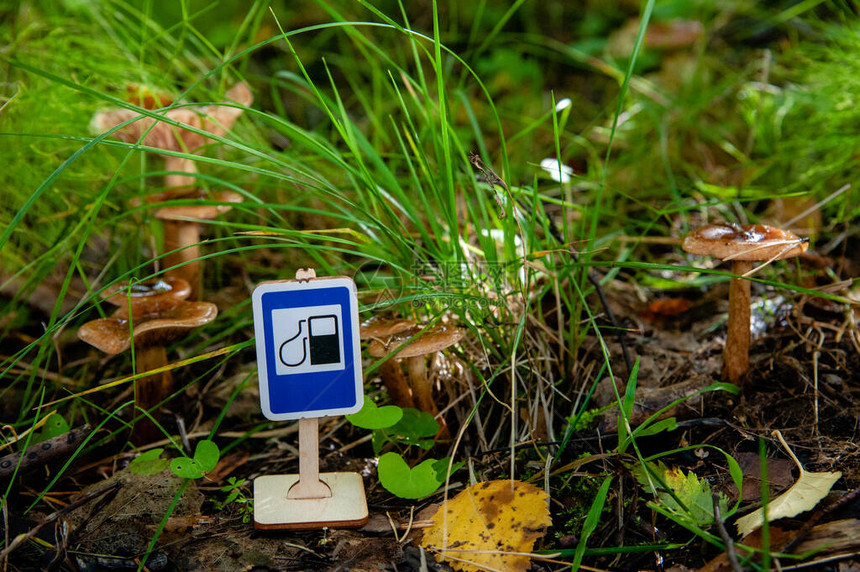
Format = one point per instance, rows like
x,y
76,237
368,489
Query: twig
x,y
62,548
721,528
622,333
816,518
183,435
3,502
818,205
51,518
37,455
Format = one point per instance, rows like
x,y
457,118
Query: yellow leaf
x,y
491,525
803,495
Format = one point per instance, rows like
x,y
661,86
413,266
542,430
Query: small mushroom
x,y
395,383
150,315
215,119
182,232
742,245
428,342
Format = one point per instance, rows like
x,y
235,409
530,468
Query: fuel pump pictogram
x,y
317,338
308,339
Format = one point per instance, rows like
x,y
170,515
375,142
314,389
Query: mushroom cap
x,y
144,97
378,327
161,135
114,335
215,119
749,242
150,298
184,212
430,341
673,34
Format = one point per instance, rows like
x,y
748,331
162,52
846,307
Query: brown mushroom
x,y
395,383
214,119
182,232
151,314
181,223
742,245
413,351
377,327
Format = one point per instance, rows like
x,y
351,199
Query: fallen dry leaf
x,y
821,541
665,308
803,495
490,525
778,475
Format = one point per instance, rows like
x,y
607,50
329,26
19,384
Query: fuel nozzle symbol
x,y
317,338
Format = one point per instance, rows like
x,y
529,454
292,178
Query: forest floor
x,y
521,174
804,374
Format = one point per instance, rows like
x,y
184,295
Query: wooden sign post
x,y
309,364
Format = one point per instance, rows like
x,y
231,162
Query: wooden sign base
x,y
310,499
274,510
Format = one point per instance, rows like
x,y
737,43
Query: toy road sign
x,y
308,353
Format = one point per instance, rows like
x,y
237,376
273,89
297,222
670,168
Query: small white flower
x,y
563,104
551,166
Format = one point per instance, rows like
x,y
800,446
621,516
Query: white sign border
x,y
259,331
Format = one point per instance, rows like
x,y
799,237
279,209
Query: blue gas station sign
x,y
308,353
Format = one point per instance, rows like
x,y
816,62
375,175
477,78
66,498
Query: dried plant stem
x,y
724,534
736,356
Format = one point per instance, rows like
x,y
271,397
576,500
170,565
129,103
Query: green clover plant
x,y
403,426
206,456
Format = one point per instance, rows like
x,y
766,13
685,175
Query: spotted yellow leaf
x,y
491,525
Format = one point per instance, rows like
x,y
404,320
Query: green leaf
x,y
373,417
415,425
627,409
186,468
149,463
206,454
378,439
682,494
414,428
722,386
669,424
441,468
592,519
415,483
53,427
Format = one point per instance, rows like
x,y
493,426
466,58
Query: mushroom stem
x,y
178,165
395,383
736,357
150,390
183,237
422,392
422,387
